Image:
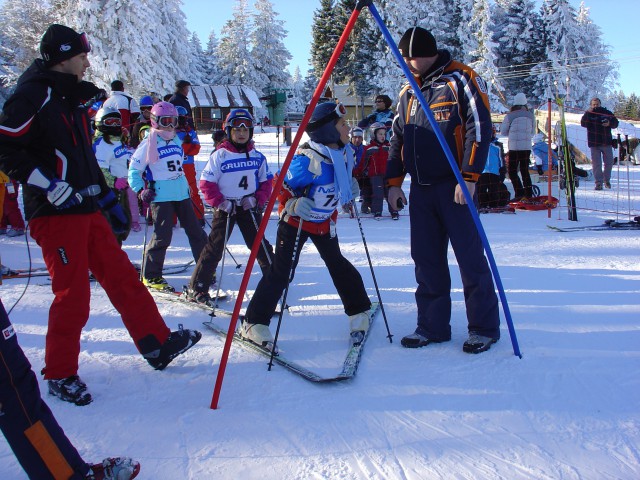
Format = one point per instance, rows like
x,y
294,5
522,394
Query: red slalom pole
x,y
272,199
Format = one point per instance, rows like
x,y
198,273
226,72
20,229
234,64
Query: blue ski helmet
x,y
146,101
322,125
238,117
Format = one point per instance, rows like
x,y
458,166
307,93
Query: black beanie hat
x,y
60,43
417,42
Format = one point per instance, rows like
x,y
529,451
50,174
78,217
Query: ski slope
x,y
569,409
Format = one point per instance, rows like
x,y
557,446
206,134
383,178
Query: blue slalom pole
x,y
456,171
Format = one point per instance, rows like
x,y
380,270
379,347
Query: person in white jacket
x,y
519,124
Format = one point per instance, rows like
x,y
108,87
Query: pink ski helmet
x,y
164,114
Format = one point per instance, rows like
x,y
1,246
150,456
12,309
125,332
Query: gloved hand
x,y
62,195
248,202
396,198
300,207
355,188
119,221
226,206
458,196
147,195
121,184
187,139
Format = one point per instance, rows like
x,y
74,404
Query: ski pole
x,y
238,265
373,274
143,264
264,246
454,167
224,251
604,166
627,160
286,291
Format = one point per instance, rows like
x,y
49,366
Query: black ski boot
x,y
70,389
177,343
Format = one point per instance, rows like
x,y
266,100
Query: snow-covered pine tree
x,y
518,44
481,52
326,32
270,55
297,100
593,72
212,61
199,66
21,27
560,34
236,62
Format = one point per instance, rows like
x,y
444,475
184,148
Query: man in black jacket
x,y
599,121
179,99
45,143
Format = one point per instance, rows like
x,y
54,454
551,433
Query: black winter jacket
x,y
597,134
42,125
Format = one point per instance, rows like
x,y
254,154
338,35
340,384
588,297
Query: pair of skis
x,y
11,273
609,225
349,365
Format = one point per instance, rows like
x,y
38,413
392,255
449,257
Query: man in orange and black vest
x,y
438,212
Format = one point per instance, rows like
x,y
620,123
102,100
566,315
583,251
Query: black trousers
x,y
30,428
519,162
211,255
344,275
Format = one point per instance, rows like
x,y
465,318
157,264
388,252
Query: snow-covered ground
x,y
569,409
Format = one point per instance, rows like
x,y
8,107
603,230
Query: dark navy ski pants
x,y
437,220
32,432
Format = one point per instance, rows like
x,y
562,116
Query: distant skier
x,y
191,147
376,155
319,180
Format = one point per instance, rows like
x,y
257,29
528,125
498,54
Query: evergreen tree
x,y
199,60
325,35
297,100
481,52
236,62
269,53
21,27
212,61
515,32
592,71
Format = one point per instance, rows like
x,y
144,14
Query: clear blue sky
x,y
618,20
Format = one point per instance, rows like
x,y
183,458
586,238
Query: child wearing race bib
x,y
319,180
237,182
160,155
113,158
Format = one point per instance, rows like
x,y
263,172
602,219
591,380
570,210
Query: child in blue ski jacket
x,y
319,180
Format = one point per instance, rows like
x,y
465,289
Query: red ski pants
x,y
73,245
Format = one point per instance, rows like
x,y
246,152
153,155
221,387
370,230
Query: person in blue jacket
x,y
382,114
319,180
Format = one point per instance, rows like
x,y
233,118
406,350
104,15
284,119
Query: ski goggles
x,y
145,109
339,112
111,122
167,121
84,42
240,122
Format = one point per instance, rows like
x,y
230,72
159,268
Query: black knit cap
x,y
418,42
61,43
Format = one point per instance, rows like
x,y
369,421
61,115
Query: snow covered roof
x,y
223,96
